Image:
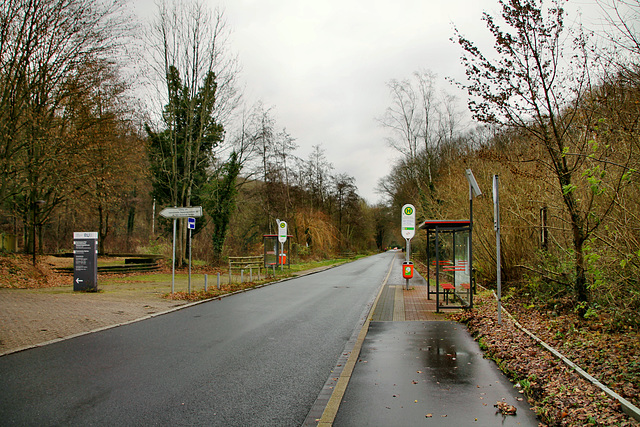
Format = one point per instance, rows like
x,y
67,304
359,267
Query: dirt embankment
x,y
558,394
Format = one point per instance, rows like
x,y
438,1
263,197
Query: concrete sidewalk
x,y
427,373
414,367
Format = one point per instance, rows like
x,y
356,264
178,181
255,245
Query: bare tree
x,y
403,118
45,46
189,56
422,120
192,38
536,86
621,19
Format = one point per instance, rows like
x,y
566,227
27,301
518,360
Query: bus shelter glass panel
x,y
462,267
449,263
273,254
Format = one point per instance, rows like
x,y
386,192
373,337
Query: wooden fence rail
x,y
244,263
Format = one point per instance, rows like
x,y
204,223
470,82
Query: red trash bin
x,y
407,269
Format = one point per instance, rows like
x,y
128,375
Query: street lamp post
x,y
474,191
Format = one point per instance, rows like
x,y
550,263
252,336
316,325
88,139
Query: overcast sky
x,y
323,65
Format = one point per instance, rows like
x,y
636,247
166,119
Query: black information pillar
x,y
85,261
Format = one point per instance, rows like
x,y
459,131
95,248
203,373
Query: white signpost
x,y
408,228
408,221
282,238
175,213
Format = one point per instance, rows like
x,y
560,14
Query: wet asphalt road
x,y
258,358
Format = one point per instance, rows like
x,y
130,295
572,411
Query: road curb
x,y
324,410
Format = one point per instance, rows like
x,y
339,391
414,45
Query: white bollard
x,y
206,287
218,281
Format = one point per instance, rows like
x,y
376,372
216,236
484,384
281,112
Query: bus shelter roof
x,y
432,224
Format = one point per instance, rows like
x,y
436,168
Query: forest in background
x,y
556,117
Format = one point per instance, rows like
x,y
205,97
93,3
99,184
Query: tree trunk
x,y
580,284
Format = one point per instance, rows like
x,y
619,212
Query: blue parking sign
x,y
191,223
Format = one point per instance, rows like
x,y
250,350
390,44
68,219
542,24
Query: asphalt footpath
x,y
416,368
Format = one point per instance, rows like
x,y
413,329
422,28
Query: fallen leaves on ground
x,y
559,395
18,272
505,409
213,292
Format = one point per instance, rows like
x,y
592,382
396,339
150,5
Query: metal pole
x,y
497,229
218,274
189,281
280,257
471,283
428,267
34,232
206,287
242,276
408,259
437,271
173,263
469,272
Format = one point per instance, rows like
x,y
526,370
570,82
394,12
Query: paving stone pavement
x,y
399,304
33,317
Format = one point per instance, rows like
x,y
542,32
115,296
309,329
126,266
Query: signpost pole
x,y
408,259
175,213
173,259
191,223
408,228
282,238
496,226
281,257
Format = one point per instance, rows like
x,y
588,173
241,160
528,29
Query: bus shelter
x,y
273,255
449,259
